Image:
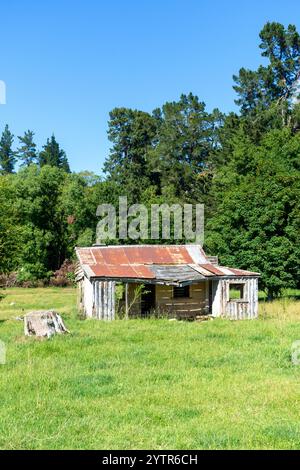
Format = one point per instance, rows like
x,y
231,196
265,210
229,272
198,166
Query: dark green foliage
x,y
26,153
132,134
173,150
53,155
45,214
257,221
186,143
10,226
278,80
7,155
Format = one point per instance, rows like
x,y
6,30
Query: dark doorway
x,y
148,299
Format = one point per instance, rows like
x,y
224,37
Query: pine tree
x,y
131,133
53,155
27,152
275,82
7,155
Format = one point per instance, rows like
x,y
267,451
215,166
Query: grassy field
x,y
148,383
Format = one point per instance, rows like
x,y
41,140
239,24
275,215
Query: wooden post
x,y
113,306
105,299
100,300
109,300
126,301
96,298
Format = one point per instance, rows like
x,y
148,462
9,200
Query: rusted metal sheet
x,y
224,271
112,256
197,254
242,272
149,262
199,268
212,269
118,271
85,256
143,271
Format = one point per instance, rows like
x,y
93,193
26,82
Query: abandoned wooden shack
x,y
176,280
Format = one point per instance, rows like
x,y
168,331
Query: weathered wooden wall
x,y
196,304
87,297
96,299
80,296
103,300
246,308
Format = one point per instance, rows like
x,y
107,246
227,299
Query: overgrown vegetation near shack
x,y
63,277
149,384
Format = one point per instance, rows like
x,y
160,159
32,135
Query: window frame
x,y
237,285
184,296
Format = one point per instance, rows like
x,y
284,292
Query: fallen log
x,y
43,323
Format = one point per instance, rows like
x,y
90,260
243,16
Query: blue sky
x,y
66,64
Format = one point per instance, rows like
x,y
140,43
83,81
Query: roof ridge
x,y
137,246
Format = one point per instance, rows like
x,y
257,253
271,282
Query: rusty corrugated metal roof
x,y
212,269
242,272
151,262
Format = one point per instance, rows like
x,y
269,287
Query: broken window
x,y
236,291
180,292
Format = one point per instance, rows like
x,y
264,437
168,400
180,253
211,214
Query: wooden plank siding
x,y
97,299
196,304
87,297
246,308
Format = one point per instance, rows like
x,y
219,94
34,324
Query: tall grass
x,y
148,383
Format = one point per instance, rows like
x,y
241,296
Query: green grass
x,y
287,293
148,383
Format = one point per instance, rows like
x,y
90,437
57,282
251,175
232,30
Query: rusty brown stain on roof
x,y
120,271
134,262
212,269
242,272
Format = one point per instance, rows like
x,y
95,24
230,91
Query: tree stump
x,y
43,323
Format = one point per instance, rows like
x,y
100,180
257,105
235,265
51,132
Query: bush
x,y
13,280
64,276
8,280
23,278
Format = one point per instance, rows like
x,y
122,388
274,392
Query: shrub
x,y
8,280
64,276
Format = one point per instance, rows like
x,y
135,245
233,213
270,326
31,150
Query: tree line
x,y
27,154
244,166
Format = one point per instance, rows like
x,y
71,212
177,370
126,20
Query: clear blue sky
x,y
66,63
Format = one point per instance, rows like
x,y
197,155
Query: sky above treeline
x,y
67,63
